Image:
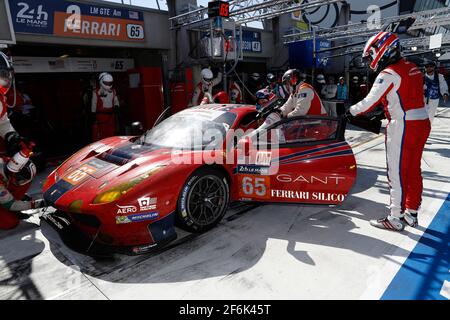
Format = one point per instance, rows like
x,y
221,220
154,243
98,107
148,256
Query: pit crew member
x,y
205,86
278,89
399,87
435,88
104,107
235,92
303,100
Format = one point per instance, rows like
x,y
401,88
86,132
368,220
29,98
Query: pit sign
x,y
79,20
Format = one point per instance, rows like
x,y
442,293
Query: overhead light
x,y
64,56
438,54
414,48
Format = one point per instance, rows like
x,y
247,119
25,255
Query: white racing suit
x,y
305,101
270,120
435,87
235,93
399,88
7,200
201,89
5,125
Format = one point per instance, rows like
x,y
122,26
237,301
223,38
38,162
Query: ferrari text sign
x,y
74,19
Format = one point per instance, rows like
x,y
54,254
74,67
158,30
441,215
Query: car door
x,y
305,160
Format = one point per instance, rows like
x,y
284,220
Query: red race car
x,y
126,194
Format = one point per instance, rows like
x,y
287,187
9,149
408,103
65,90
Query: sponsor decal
x,y
55,223
126,209
263,158
147,203
80,174
306,195
137,217
251,186
288,178
251,169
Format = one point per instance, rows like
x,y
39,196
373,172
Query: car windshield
x,y
191,129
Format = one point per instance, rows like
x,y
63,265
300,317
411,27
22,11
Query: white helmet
x,y
106,81
255,76
355,79
207,76
321,78
6,73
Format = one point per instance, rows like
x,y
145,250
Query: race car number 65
x,y
135,31
258,187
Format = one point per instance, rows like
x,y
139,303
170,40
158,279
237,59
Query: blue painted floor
x,y
424,272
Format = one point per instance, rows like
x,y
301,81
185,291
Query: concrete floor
x,y
272,252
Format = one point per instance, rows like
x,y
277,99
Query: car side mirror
x,y
137,128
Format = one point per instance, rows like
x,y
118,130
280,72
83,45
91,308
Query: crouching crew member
x,y
15,179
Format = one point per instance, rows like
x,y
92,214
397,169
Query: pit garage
x,y
259,250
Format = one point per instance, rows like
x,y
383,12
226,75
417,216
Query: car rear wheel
x,y
203,200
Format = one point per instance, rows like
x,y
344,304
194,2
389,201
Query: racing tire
x,y
203,200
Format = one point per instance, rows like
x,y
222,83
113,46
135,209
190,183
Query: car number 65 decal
x,y
251,186
80,174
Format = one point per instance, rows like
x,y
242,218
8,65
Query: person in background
x,y
276,88
320,83
234,92
342,91
329,91
303,100
254,84
104,107
399,86
364,87
205,86
355,90
435,87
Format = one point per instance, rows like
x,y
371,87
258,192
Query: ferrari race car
x,y
126,194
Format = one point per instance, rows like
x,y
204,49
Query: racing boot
x,y
389,223
410,218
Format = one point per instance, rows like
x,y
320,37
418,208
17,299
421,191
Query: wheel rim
x,y
207,200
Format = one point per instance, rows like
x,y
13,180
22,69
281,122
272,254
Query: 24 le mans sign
x,y
76,19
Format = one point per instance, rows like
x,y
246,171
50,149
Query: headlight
x,y
118,191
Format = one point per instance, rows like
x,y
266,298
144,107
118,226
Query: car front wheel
x,y
203,200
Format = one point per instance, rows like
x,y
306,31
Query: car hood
x,y
98,167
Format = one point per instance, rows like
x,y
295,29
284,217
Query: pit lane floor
x,y
270,252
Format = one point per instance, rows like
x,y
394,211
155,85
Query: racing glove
x,y
39,203
14,142
348,115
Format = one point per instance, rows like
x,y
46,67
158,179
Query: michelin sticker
x,y
137,217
